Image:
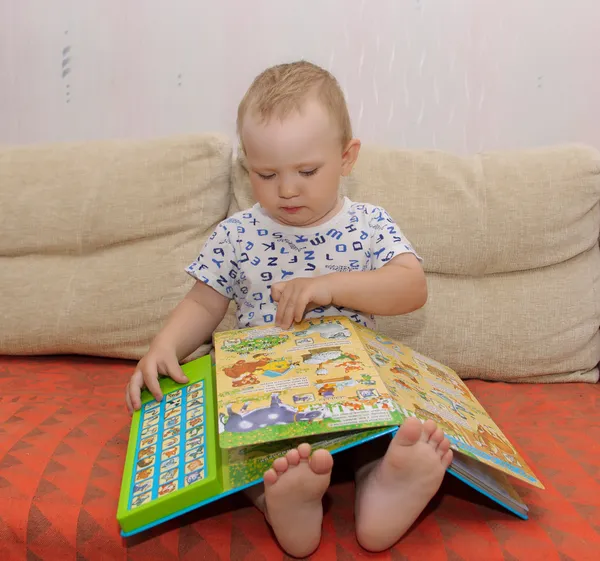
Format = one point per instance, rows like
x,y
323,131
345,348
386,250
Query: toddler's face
x,y
295,165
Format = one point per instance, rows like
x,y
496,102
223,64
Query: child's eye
x,y
265,177
309,173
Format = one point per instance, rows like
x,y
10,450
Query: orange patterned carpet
x,y
63,436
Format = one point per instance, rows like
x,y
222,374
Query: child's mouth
x,y
291,209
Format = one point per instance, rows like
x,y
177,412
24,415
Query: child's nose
x,y
287,189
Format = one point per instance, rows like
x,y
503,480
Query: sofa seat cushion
x,y
510,245
95,238
63,439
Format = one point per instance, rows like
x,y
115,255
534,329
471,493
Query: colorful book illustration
x,y
328,382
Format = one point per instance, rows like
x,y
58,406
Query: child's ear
x,y
349,156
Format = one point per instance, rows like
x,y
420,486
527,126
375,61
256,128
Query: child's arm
x,y
397,288
190,324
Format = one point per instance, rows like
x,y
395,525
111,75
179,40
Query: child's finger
x,y
300,307
134,389
175,372
287,318
151,382
277,291
128,401
281,308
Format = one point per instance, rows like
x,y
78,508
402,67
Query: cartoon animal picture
x,y
194,431
353,405
167,488
402,384
242,367
194,465
193,477
143,474
171,432
405,370
170,423
145,462
367,394
168,475
457,408
173,404
350,366
327,390
194,403
443,376
277,413
170,453
193,442
169,414
149,431
171,462
495,441
141,487
245,380
322,356
140,499
377,357
367,380
146,452
147,441
327,330
244,373
194,454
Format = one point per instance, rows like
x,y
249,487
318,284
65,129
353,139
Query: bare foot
x,y
294,489
392,492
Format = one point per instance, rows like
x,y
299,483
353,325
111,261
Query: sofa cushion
x,y
95,237
62,455
510,243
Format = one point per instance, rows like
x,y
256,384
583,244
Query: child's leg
x,y
292,498
392,491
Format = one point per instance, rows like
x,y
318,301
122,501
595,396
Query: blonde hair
x,y
282,89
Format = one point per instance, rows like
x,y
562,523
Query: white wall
x,y
462,75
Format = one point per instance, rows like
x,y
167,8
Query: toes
x,y
436,438
304,451
293,457
409,433
270,477
321,462
443,447
447,459
280,465
429,428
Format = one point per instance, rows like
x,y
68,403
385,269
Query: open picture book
x,y
329,382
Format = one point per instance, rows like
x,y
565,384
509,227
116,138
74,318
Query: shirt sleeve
x,y
216,265
387,240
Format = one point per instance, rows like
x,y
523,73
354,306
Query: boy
x,y
304,251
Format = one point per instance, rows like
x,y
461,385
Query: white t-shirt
x,y
249,252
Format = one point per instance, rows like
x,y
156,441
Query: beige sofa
x,y
95,237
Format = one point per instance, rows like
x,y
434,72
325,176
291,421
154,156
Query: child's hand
x,y
297,296
157,360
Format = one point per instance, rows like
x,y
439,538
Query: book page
x,y
248,464
314,379
427,389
